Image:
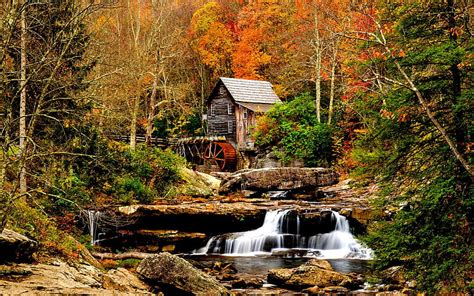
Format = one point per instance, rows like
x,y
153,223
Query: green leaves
x,y
292,129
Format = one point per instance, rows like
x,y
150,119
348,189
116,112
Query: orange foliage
x,y
212,38
248,59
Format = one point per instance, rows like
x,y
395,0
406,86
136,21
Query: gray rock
x,y
283,178
177,276
15,247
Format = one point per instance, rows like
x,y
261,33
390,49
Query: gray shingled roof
x,y
250,91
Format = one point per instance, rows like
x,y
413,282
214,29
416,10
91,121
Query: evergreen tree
x,y
422,66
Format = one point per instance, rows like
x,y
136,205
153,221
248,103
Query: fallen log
x,y
121,256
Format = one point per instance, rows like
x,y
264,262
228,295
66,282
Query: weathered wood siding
x,y
221,114
246,119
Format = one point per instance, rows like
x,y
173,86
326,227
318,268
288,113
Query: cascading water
x,y
280,231
92,219
339,243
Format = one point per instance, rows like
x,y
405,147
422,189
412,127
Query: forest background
x,y
379,89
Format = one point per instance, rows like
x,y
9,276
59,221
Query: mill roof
x,y
250,91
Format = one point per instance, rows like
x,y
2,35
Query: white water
x,y
92,220
276,235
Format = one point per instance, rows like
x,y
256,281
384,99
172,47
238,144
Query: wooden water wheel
x,y
222,154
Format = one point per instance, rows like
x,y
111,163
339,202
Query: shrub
x,y
293,127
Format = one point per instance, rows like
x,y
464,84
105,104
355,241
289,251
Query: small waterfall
x,y
281,231
92,221
338,243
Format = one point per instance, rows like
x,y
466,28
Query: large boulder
x,y
16,247
196,183
177,276
283,178
314,273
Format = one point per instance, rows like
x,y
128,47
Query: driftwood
x,y
126,255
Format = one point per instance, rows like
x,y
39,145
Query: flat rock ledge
x,y
283,178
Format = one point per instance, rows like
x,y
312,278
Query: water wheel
x,y
221,154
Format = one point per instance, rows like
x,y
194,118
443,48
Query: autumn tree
x,y
263,49
321,25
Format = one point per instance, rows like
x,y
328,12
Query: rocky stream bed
x,y
287,254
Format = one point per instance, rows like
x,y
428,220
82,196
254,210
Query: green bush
x,y
291,129
153,168
431,236
129,189
105,168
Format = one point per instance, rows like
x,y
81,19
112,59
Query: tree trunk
x,y
333,81
435,122
318,53
121,256
133,124
22,129
151,111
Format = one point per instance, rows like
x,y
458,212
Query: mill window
x,y
230,127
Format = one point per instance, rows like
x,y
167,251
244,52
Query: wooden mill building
x,y
233,107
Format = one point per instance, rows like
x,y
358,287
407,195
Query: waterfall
x,y
338,243
92,221
281,231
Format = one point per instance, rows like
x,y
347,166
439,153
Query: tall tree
x,y
23,63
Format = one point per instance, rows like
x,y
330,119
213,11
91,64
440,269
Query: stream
x,y
282,240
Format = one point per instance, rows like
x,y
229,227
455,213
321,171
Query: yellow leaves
x,y
280,90
204,17
99,22
361,131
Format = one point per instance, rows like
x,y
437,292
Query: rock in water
x,y
16,247
177,276
313,273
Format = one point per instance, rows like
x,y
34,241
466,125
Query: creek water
x,y
260,265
